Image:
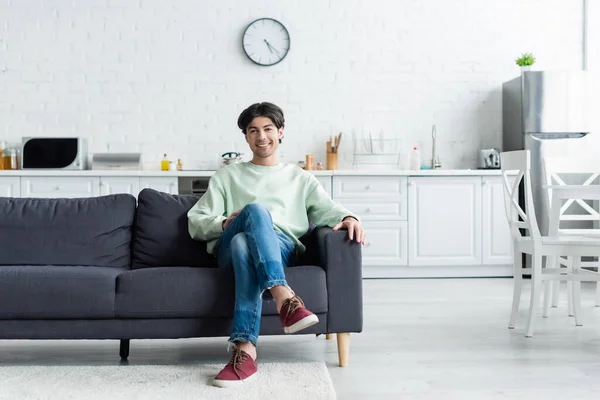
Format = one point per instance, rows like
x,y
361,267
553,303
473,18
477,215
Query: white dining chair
x,y
556,172
533,243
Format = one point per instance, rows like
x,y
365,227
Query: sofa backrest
x,y
160,235
93,231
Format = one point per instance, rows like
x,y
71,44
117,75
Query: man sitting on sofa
x,y
252,216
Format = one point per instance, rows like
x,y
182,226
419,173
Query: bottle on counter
x,y
2,148
165,164
415,159
179,165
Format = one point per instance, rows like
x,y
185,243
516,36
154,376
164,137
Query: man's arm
x,y
206,217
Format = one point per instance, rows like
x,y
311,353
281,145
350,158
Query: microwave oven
x,y
54,153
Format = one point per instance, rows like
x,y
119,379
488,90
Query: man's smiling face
x,y
263,137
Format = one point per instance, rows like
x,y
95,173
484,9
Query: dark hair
x,y
263,109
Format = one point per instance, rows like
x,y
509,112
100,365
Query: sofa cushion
x,y
161,237
92,231
57,292
184,292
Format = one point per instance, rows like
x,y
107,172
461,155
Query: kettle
x,y
231,157
489,159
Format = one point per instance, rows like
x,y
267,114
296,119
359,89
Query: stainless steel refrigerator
x,y
547,112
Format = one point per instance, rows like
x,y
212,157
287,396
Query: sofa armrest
x,y
342,261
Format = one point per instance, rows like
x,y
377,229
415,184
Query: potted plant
x,y
525,61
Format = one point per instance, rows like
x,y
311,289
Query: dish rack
x,y
376,153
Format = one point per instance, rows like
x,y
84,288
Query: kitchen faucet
x,y
435,162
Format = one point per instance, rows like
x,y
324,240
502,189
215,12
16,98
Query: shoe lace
x,y
237,360
291,305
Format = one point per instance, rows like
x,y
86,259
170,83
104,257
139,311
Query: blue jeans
x,y
258,254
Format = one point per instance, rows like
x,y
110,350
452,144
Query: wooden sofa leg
x,y
329,336
124,349
343,342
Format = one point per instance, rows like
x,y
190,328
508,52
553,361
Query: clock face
x,y
266,41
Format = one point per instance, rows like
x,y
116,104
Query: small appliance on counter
x,y
489,159
231,157
54,153
117,161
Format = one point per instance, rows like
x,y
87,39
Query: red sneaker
x,y
240,369
295,317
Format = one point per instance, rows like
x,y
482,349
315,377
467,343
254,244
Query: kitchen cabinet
x,y
59,186
444,221
10,186
386,243
119,184
381,204
167,184
430,224
369,187
497,245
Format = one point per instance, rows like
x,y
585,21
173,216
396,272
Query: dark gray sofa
x,y
108,268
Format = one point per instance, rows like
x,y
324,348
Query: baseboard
x,y
438,271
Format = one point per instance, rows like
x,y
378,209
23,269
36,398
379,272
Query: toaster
x,y
489,159
54,153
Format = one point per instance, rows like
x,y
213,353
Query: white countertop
x,y
200,173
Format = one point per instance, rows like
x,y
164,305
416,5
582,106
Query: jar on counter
x,y
10,160
310,162
2,148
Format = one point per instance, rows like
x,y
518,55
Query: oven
x,y
195,186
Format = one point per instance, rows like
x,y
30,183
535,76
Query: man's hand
x,y
355,231
229,219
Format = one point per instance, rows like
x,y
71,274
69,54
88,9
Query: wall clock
x,y
266,41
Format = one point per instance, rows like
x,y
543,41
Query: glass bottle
x,y
14,161
7,159
2,147
165,164
179,165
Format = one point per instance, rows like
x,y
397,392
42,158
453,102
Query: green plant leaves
x,y
525,60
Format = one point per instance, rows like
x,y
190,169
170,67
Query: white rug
x,y
274,381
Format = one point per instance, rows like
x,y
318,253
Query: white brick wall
x,y
170,76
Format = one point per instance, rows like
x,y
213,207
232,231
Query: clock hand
x,y
276,51
271,48
268,45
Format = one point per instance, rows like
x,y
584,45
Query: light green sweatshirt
x,y
292,196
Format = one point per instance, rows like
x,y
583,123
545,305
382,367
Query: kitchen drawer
x,y
10,186
54,186
166,184
376,210
369,186
386,243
